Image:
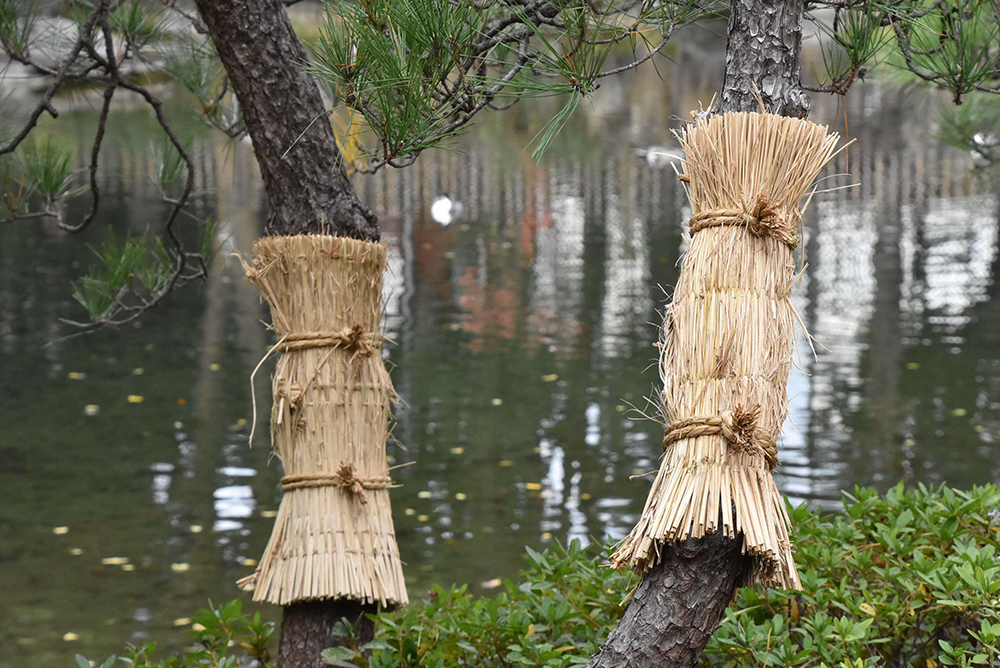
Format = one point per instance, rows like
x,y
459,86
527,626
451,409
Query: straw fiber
x,y
333,536
727,341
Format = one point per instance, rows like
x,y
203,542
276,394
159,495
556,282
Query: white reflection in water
x,y
960,237
557,292
626,305
237,471
234,501
161,487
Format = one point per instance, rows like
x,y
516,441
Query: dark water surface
x,y
523,353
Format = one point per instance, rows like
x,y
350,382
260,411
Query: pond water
x,y
523,354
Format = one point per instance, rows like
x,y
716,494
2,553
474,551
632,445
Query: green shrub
x,y
904,579
224,637
901,579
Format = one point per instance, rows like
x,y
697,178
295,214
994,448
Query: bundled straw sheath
x,y
333,536
727,341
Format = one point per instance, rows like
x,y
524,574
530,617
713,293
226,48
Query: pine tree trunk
x,y
308,192
307,188
680,601
764,58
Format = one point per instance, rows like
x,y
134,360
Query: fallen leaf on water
x,y
180,568
195,528
455,326
182,621
25,641
91,410
585,497
492,584
136,398
197,627
128,567
548,378
181,401
214,367
496,402
422,518
247,561
138,371
424,495
457,451
546,536
959,412
410,511
912,365
460,496
114,561
506,463
268,513
76,375
178,425
75,551
533,486
69,635
60,530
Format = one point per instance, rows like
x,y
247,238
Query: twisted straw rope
x,y
345,477
738,428
762,219
351,338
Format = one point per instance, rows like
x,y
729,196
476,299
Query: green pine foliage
x,y
908,578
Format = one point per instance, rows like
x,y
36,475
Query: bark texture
x,y
679,603
307,188
677,606
307,629
764,58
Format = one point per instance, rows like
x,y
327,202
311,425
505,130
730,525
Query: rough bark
x,y
764,58
308,192
307,629
307,188
677,606
679,603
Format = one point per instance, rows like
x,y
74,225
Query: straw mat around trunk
x,y
333,536
727,341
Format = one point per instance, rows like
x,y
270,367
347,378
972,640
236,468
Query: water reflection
x,y
523,353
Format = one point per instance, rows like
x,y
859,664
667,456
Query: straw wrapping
x,y
333,535
739,428
727,340
762,219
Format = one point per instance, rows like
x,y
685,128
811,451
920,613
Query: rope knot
x,y
346,478
738,427
762,218
355,338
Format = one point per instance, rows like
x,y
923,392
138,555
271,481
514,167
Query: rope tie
x,y
346,478
355,338
762,219
739,428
